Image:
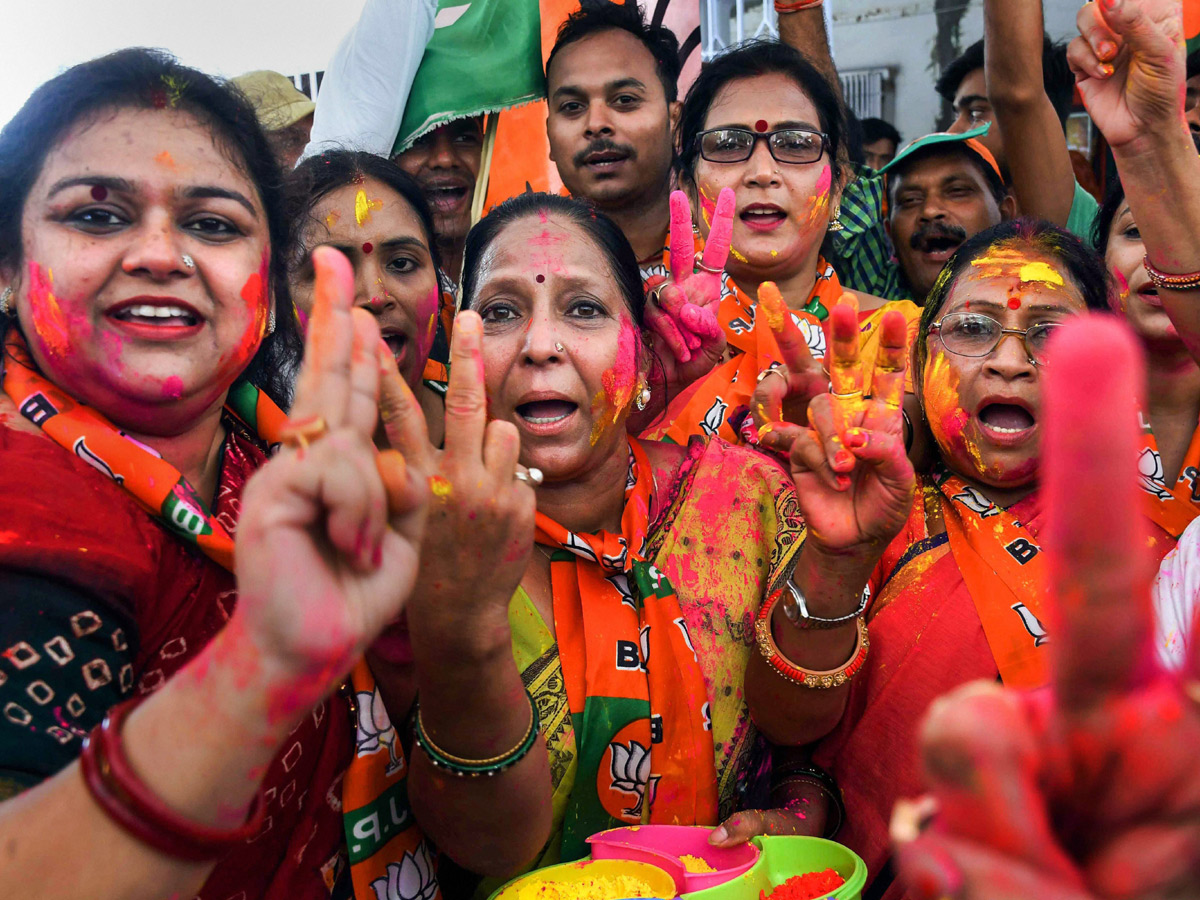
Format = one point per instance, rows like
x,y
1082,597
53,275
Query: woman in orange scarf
x,y
956,595
588,657
143,370
761,123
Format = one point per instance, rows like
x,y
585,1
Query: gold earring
x,y
5,301
271,320
643,399
835,223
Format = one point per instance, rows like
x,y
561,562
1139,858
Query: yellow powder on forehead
x,y
363,206
1003,261
1040,271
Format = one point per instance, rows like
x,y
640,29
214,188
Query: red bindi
x,y
1014,302
368,247
99,192
540,278
760,126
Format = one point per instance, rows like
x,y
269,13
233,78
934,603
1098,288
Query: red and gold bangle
x,y
1167,281
809,678
126,800
791,6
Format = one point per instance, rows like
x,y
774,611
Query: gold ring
x,y
301,433
774,370
699,262
849,395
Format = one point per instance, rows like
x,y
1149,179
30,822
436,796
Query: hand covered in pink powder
x,y
329,536
854,482
1088,788
682,314
1130,69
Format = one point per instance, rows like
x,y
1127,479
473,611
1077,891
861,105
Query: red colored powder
x,y
760,125
1014,302
99,192
806,887
540,278
368,247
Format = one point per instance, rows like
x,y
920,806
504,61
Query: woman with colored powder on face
x,y
590,656
764,124
375,214
144,373
955,595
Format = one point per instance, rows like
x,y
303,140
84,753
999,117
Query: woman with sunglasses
x,y
956,595
764,123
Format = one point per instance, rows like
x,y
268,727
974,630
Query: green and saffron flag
x,y
484,56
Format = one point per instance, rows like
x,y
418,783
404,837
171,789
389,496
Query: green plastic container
x,y
784,857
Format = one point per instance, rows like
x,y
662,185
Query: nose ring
x,y
188,261
559,347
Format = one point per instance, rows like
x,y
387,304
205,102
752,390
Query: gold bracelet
x,y
435,750
786,669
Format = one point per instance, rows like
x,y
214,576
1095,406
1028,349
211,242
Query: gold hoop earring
x,y
643,399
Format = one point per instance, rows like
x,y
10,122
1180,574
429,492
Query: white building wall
x,y
901,35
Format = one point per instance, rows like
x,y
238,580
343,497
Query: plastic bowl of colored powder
x,y
608,879
682,850
811,864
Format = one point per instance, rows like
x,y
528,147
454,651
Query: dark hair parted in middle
x,y
595,16
750,60
597,226
318,176
1036,236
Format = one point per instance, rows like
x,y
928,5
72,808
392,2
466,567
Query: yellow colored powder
x,y
599,888
363,206
737,255
694,864
1040,271
441,487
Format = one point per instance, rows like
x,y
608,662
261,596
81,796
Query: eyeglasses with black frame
x,y
795,146
975,335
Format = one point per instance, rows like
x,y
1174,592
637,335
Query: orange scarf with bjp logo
x,y
388,854
637,696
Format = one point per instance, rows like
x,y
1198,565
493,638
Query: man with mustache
x,y
942,189
611,86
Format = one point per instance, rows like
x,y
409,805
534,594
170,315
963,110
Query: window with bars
x,y
864,91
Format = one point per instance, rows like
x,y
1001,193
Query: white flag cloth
x,y
366,84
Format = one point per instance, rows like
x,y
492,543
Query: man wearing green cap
x,y
939,190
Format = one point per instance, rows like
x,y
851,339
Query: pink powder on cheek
x,y
708,207
254,294
50,324
172,388
1118,302
824,181
620,380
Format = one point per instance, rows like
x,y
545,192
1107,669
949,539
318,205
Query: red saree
x,y
926,638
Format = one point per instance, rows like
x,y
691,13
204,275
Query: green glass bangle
x,y
484,767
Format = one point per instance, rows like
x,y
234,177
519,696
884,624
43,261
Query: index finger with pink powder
x,y
682,242
1095,534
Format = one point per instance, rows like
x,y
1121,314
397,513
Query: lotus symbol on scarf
x,y
714,417
1150,473
814,336
631,772
374,732
410,879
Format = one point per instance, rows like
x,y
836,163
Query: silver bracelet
x,y
796,609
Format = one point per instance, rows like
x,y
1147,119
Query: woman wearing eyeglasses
x,y
763,122
956,596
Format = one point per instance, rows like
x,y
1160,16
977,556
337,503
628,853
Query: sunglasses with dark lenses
x,y
973,334
788,145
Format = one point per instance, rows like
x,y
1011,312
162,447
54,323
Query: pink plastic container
x,y
663,845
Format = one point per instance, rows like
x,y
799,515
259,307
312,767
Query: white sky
x,y
224,37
